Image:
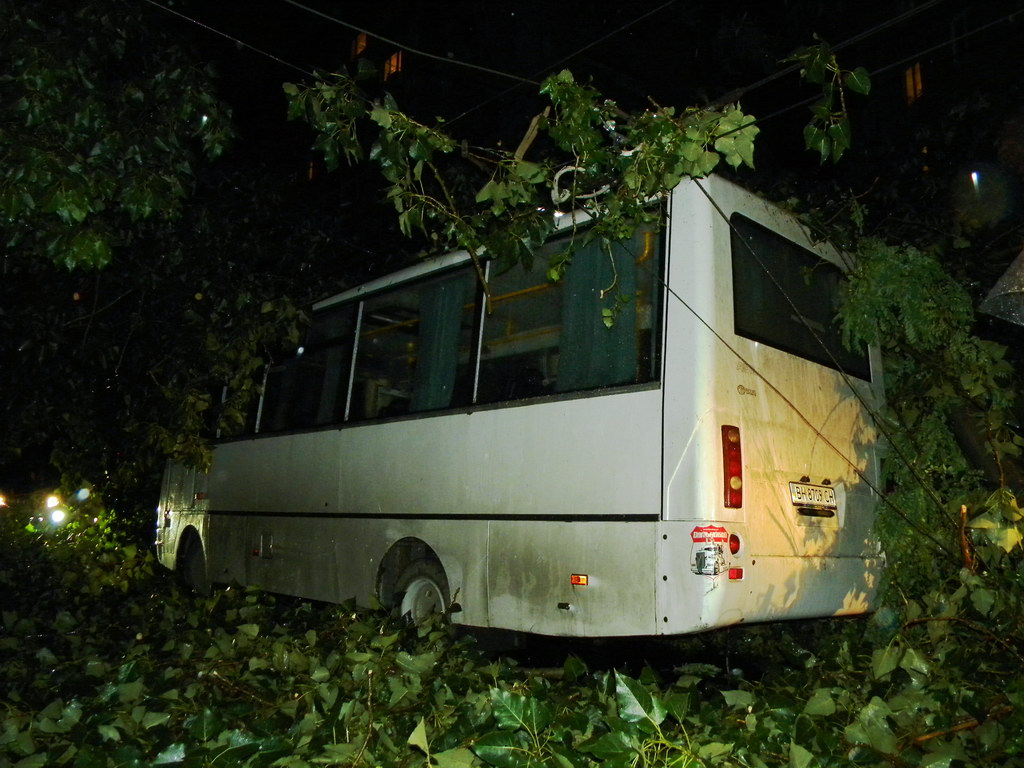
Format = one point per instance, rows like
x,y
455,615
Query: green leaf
x,y
635,702
460,757
615,747
381,116
707,162
874,725
419,664
153,719
820,703
175,753
816,61
914,661
418,737
531,172
858,81
818,141
798,756
840,135
691,150
513,711
501,748
738,699
983,600
713,750
885,660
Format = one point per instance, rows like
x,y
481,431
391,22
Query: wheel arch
x,y
188,538
399,557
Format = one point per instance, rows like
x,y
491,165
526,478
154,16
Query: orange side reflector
x,y
735,574
579,579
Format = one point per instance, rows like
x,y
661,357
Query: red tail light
x,y
732,465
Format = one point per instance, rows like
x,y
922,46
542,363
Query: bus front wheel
x,y
192,565
422,591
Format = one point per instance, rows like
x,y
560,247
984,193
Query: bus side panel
x,y
315,513
582,456
532,566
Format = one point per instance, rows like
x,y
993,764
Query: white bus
x,y
709,459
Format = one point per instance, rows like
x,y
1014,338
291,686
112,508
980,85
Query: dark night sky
x,y
683,53
678,53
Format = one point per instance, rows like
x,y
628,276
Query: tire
x,y
422,591
192,566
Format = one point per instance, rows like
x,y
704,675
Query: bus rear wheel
x,y
422,591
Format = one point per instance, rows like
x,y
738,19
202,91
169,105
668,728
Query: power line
x,y
564,59
737,93
923,52
235,40
407,48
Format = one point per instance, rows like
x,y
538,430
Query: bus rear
x,y
770,450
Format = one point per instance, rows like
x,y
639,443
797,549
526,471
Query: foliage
x,y
128,364
97,133
107,662
138,283
829,133
617,163
952,397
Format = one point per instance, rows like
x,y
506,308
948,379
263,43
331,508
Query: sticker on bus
x,y
707,557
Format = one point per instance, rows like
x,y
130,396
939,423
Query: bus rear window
x,y
786,297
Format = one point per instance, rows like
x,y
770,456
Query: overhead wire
x,y
235,40
737,93
559,62
407,48
912,57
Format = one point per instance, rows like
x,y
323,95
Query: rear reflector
x,y
734,544
735,574
732,466
579,579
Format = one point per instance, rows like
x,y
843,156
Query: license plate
x,y
807,495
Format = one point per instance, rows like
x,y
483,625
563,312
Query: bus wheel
x,y
422,591
192,566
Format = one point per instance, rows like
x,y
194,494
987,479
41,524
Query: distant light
x,y
57,516
975,178
559,214
82,494
299,351
51,502
204,120
3,501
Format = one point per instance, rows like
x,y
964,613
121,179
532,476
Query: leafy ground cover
x,y
107,662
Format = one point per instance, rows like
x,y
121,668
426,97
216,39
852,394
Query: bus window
x,y
542,337
309,390
786,297
415,349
